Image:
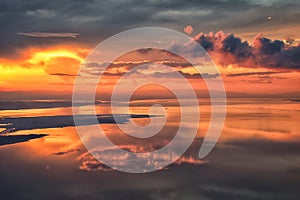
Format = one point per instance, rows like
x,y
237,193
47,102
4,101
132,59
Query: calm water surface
x,y
257,157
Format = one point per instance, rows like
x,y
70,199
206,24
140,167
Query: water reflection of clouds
x,y
90,163
61,153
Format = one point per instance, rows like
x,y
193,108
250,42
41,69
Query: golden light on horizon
x,y
37,70
45,56
55,69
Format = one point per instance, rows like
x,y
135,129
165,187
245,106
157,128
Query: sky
x,y
255,44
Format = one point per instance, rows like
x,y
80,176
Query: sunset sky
x,y
256,46
153,99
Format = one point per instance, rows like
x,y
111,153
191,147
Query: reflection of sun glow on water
x,y
89,163
248,121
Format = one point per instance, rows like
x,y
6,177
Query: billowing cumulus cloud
x,y
227,49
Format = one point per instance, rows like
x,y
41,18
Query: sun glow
x,y
45,56
55,69
40,70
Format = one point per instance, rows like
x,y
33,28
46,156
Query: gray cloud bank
x,y
97,20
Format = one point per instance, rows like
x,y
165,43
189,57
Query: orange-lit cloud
x,y
227,49
188,29
264,67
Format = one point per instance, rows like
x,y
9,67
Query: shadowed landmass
x,y
12,139
30,123
18,105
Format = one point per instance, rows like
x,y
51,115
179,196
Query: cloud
x,y
155,69
227,49
50,35
63,74
62,66
255,73
97,20
188,29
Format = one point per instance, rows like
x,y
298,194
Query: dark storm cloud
x,y
96,20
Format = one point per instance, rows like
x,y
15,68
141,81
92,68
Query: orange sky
x,y
53,70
